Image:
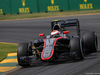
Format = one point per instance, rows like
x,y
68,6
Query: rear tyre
x,y
90,42
23,50
76,48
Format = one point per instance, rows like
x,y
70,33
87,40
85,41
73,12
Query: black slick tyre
x,y
90,43
76,48
22,50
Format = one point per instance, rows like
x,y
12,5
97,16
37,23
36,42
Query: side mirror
x,y
41,34
66,32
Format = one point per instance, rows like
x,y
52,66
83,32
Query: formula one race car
x,y
58,45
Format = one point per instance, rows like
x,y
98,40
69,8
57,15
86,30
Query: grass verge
x,y
49,14
6,48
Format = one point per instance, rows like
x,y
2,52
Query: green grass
x,y
50,14
6,48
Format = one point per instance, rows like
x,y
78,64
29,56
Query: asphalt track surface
x,y
27,30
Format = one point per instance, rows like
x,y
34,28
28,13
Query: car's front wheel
x,y
23,50
76,49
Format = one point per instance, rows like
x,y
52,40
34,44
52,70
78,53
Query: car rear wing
x,y
72,22
61,24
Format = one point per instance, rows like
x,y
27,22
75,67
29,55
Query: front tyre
x,y
76,49
23,50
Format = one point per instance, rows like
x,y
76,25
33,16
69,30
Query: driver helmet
x,y
56,27
55,32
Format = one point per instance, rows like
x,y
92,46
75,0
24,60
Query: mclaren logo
x,y
85,1
23,3
52,2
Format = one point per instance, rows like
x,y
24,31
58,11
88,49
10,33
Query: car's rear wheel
x,y
76,49
90,41
23,50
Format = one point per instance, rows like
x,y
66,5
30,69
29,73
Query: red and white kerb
x,y
54,32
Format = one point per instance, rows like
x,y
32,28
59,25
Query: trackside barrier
x,y
35,6
24,6
5,7
84,4
52,5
